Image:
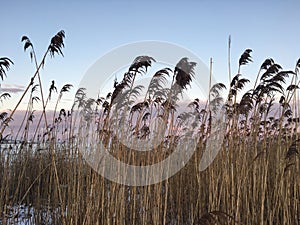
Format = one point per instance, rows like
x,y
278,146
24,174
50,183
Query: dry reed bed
x,y
253,180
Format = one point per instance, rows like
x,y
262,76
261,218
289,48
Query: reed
x,y
254,179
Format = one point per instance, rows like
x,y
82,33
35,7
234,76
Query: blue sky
x,y
93,28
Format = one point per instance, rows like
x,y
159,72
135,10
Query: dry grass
x,y
253,180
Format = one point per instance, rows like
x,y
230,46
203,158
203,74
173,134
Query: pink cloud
x,y
12,88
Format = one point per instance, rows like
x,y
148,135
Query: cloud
x,y
12,88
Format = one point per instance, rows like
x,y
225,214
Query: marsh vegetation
x,y
254,179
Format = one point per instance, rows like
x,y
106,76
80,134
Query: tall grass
x,y
253,180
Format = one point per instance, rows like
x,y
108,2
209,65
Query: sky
x,y
94,28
